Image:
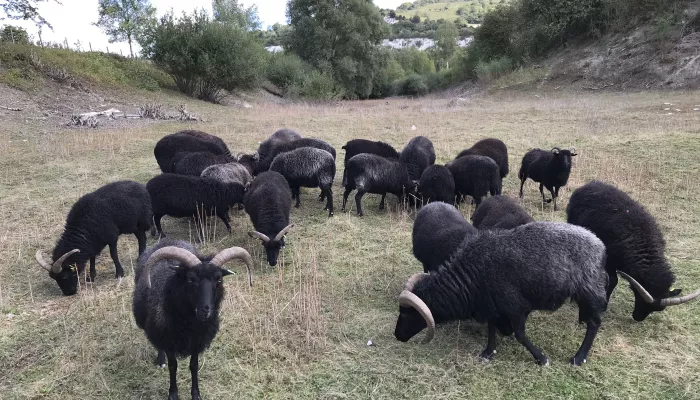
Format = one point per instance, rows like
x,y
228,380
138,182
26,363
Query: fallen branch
x,y
597,88
10,108
90,118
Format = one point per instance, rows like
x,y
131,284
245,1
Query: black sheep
x,y
550,168
266,161
187,140
493,148
307,167
359,146
634,243
500,212
476,176
417,156
96,220
177,299
192,196
370,173
438,230
194,163
437,184
268,202
499,277
283,135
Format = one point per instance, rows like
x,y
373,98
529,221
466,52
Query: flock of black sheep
x,y
495,271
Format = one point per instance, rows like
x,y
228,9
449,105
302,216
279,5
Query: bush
x,y
14,34
487,71
205,57
286,69
415,85
317,85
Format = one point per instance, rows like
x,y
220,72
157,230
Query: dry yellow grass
x,y
302,330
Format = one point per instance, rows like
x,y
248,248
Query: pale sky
x,y
73,19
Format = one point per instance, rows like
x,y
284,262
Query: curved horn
x,y
42,263
235,253
674,301
640,289
557,150
284,231
173,253
256,234
408,299
58,264
411,282
572,150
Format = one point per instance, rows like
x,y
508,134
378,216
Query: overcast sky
x,y
73,19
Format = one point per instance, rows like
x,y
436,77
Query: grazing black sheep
x,y
493,148
194,163
281,136
550,168
438,230
307,167
266,162
370,173
417,156
268,202
437,184
192,196
187,140
634,243
500,212
249,161
232,172
476,176
96,220
177,299
359,146
501,276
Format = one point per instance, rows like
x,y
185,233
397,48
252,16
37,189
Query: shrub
x,y
317,85
415,85
487,71
207,58
14,34
286,69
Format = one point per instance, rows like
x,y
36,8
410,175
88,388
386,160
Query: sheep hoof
x,y
161,366
543,362
89,278
548,201
297,205
360,214
577,362
172,396
487,356
330,214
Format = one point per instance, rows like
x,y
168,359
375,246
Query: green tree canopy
x,y
339,37
230,11
14,34
125,20
445,43
24,10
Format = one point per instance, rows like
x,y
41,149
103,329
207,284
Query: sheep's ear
x,y
256,156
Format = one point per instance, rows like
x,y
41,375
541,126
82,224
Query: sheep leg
x,y
93,273
141,237
490,350
295,194
519,328
160,359
225,219
172,368
555,194
381,202
592,326
358,202
477,201
544,200
329,201
345,197
522,183
612,283
115,258
321,196
194,367
159,229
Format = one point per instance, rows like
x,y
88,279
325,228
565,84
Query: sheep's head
x,y
63,270
645,303
272,246
249,161
203,279
563,157
414,314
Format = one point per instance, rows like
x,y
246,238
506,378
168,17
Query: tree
x,y
445,43
340,38
14,34
125,20
230,11
24,10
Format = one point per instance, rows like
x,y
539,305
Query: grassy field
x,y
302,331
446,10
